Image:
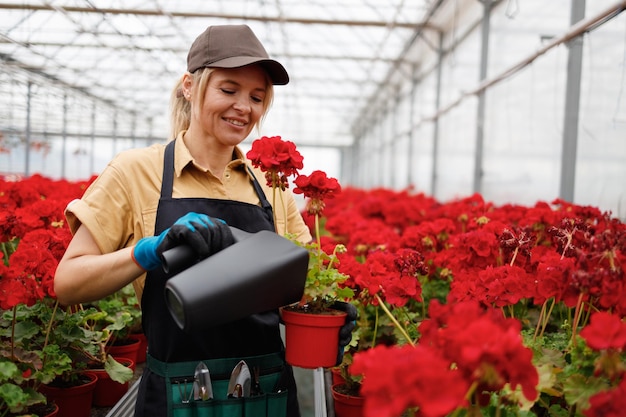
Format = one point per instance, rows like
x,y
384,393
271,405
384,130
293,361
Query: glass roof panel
x,y
129,54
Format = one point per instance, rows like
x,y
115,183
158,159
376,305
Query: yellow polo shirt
x,y
120,207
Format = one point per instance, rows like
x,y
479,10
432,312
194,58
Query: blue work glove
x,y
345,332
205,235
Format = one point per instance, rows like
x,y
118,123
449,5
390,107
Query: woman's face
x,y
233,104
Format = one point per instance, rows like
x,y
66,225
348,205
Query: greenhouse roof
x,y
130,53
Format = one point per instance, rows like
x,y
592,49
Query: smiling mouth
x,y
235,122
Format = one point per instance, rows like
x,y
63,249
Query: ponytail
x,y
180,110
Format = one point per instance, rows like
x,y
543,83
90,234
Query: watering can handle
x,y
183,256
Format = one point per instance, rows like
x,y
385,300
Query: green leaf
x,y
57,363
578,389
26,330
8,371
15,398
117,371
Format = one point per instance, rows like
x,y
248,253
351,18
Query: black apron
x,y
255,335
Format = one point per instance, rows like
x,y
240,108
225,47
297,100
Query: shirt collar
x,y
183,158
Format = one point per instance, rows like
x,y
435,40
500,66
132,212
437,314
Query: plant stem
x,y
13,332
498,409
319,241
393,319
375,329
540,319
282,204
577,315
544,318
514,256
49,329
274,197
5,252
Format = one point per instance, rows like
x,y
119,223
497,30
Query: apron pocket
x,y
220,408
181,391
277,404
265,405
183,410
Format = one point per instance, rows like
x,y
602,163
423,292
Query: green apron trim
x,y
219,368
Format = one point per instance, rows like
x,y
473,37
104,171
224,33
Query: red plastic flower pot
x,y
108,392
312,340
73,401
346,405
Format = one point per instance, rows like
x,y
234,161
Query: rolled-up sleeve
x,y
105,210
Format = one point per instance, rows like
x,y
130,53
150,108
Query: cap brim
x,y
278,73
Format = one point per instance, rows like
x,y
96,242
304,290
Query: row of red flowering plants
x,y
33,238
467,308
473,309
41,342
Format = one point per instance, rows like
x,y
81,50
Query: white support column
x,y
319,392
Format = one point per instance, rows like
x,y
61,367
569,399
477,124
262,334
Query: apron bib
x,y
174,354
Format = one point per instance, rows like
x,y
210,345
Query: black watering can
x,y
259,272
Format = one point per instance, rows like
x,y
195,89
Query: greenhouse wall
x,y
518,149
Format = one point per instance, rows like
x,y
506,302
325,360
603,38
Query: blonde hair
x,y
180,107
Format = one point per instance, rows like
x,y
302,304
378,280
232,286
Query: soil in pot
x,y
348,402
44,410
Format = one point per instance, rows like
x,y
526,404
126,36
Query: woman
x,y
148,200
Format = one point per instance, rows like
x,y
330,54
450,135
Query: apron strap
x,y
167,183
265,204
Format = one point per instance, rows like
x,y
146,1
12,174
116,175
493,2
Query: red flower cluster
x,y
605,331
279,160
33,236
463,345
401,377
485,347
30,275
390,275
316,187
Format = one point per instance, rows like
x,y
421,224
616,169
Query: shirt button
x,y
227,175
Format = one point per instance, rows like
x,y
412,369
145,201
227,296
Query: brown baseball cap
x,y
233,46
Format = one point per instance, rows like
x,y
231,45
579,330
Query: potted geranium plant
x,y
87,332
323,286
28,356
121,315
317,310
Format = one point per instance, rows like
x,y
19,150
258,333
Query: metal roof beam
x,y
144,12
178,50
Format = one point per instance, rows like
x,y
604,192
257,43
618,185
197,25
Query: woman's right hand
x,y
205,235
